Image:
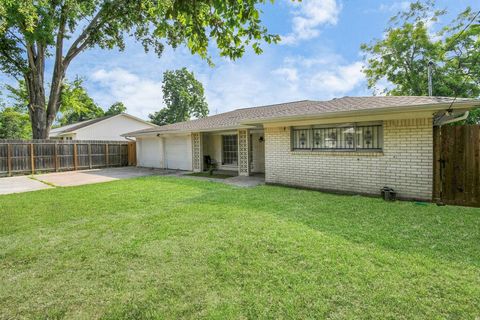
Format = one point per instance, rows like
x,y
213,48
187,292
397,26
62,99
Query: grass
x,y
166,247
208,175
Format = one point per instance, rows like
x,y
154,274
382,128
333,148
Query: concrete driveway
x,y
74,178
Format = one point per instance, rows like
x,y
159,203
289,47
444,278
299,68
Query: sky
x,y
319,58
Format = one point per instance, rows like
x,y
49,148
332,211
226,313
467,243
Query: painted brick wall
x,y
405,163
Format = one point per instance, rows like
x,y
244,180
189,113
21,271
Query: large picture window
x,y
230,149
341,137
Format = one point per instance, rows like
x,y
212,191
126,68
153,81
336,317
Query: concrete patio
x,y
75,178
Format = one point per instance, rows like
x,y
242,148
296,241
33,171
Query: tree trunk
x,y
40,130
37,104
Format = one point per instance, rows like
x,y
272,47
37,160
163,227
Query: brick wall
x,y
405,163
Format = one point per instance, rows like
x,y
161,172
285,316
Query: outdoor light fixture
x,y
260,139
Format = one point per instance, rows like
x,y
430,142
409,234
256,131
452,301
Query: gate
x,y
132,154
456,165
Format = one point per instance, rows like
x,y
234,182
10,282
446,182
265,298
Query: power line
x,y
475,61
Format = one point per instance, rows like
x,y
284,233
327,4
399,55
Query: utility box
x,y
388,194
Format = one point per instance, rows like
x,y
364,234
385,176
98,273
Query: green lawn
x,y
165,247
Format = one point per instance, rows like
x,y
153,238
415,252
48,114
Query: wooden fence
x,y
456,165
35,156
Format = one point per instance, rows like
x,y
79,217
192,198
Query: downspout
x,y
461,118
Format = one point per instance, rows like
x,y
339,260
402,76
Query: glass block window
x,y
342,137
230,149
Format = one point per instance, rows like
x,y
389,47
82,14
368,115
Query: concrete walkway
x,y
20,184
238,181
246,182
75,178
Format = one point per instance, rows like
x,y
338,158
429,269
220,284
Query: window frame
x,y
356,125
234,150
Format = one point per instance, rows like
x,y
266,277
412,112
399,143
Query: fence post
x,y
9,159
90,156
106,155
32,160
75,157
56,156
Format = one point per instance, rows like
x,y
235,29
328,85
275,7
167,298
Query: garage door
x,y
178,153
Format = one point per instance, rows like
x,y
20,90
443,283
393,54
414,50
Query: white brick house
x,y
352,144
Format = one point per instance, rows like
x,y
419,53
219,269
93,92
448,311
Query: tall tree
x,y
183,96
402,56
76,105
33,31
116,108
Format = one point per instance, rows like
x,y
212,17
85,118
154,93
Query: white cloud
x,y
252,82
394,7
309,15
338,80
290,74
141,96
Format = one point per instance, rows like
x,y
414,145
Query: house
x,y
351,144
110,128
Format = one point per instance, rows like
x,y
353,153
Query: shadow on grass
x,y
448,232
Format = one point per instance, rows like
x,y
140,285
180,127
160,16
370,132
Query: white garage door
x,y
178,153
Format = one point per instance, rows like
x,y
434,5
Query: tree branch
x,y
58,70
82,40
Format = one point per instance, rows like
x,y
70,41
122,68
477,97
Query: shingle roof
x,y
235,118
77,125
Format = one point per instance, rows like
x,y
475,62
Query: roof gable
x,y
87,123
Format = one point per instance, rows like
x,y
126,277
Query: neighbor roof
x,y
304,108
77,125
82,124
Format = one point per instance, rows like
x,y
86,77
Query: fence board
x,y
457,165
27,156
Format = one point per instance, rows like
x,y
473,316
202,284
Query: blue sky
x,y
319,59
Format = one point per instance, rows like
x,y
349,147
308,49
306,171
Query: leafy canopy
x,y
116,108
183,96
403,55
77,105
32,32
47,23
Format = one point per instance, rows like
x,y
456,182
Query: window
x,y
230,149
341,137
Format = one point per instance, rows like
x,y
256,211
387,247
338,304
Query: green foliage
x,y
184,98
76,104
116,108
18,96
33,31
14,124
473,117
178,248
402,56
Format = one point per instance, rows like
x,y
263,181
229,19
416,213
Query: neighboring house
x,y
104,128
351,144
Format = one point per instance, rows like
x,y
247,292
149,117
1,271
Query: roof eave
x,y
174,132
386,110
